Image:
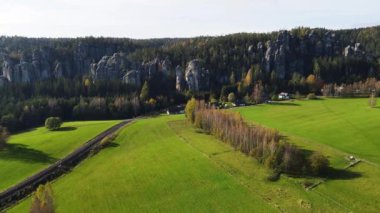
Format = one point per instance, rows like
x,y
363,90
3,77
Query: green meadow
x,y
29,152
163,164
348,125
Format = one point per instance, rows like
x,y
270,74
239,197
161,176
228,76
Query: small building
x,y
283,96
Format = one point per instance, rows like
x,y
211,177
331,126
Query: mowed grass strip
x,y
29,152
150,168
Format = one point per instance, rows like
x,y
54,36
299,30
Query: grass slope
x,y
346,124
31,151
152,169
164,165
334,127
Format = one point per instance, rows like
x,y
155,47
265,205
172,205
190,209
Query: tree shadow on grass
x,y
67,128
341,174
21,152
112,145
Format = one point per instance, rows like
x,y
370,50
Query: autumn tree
x,y
311,81
144,94
231,97
258,92
43,201
372,100
190,109
248,78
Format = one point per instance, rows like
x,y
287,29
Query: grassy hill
x,y
163,164
348,125
31,151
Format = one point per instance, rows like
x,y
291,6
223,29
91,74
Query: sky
x,y
178,18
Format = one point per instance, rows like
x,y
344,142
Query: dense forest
x,y
103,78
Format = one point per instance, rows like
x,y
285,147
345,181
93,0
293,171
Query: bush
x,y
318,163
43,200
3,137
311,96
231,97
107,140
190,109
53,123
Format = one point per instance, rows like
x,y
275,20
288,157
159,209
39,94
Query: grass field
x,y
163,164
346,124
150,169
31,151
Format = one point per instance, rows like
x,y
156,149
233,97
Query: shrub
x,y
190,109
3,137
53,123
231,97
311,96
107,140
43,200
318,163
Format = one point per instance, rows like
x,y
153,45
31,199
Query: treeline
x,y
33,112
371,86
24,106
262,143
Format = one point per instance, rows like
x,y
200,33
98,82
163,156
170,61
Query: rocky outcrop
x,y
109,67
58,70
354,51
8,69
180,80
133,78
27,72
280,62
269,56
197,78
151,68
287,53
41,64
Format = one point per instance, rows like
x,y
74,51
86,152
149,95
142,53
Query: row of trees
x,y
358,89
262,143
20,115
27,105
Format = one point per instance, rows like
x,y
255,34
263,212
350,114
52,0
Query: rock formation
x,y
180,80
354,51
133,78
197,78
109,67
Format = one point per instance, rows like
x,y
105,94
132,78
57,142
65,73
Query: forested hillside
x,y
102,78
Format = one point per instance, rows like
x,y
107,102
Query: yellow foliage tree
x,y
42,201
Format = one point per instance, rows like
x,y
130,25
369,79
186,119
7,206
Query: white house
x,y
283,96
